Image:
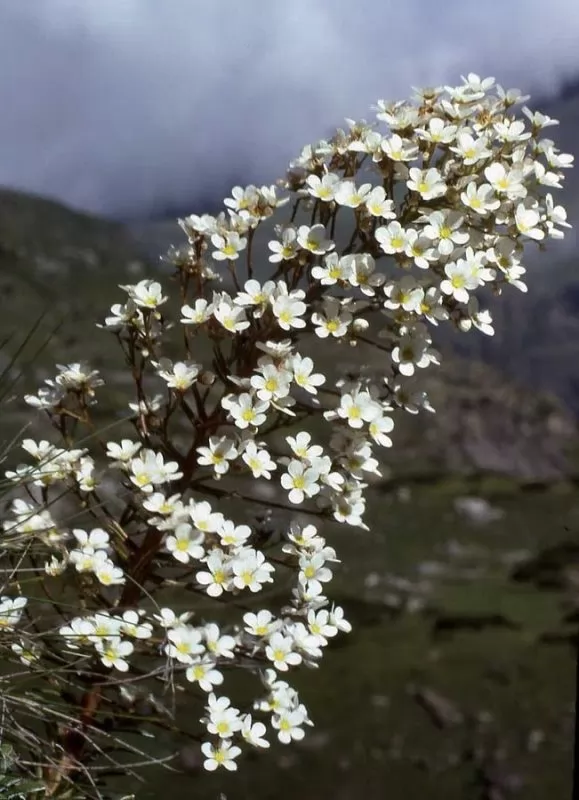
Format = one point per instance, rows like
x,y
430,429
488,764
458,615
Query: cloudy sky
x,y
132,107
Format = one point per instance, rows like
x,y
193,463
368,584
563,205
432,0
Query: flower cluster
x,y
392,228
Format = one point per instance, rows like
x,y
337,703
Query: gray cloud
x,y
131,106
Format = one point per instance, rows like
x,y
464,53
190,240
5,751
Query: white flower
x,y
251,570
259,461
444,228
320,624
481,199
227,247
184,643
179,376
427,182
314,572
253,732
288,723
220,755
246,410
218,644
358,408
336,618
508,130
242,199
95,540
256,295
27,652
150,469
281,653
271,382
419,248
105,570
146,294
185,544
168,619
261,624
350,196
289,310
405,294
197,314
438,131
458,281
506,181
302,448
378,205
131,625
78,632
323,188
471,149
300,481
333,320
220,452
286,249
314,239
224,719
411,353
304,376
113,653
232,535
203,517
232,317
218,577
11,611
399,149
391,238
205,674
527,222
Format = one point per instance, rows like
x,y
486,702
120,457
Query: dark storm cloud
x,y
132,106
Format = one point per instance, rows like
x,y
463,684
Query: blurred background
x,y
117,117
